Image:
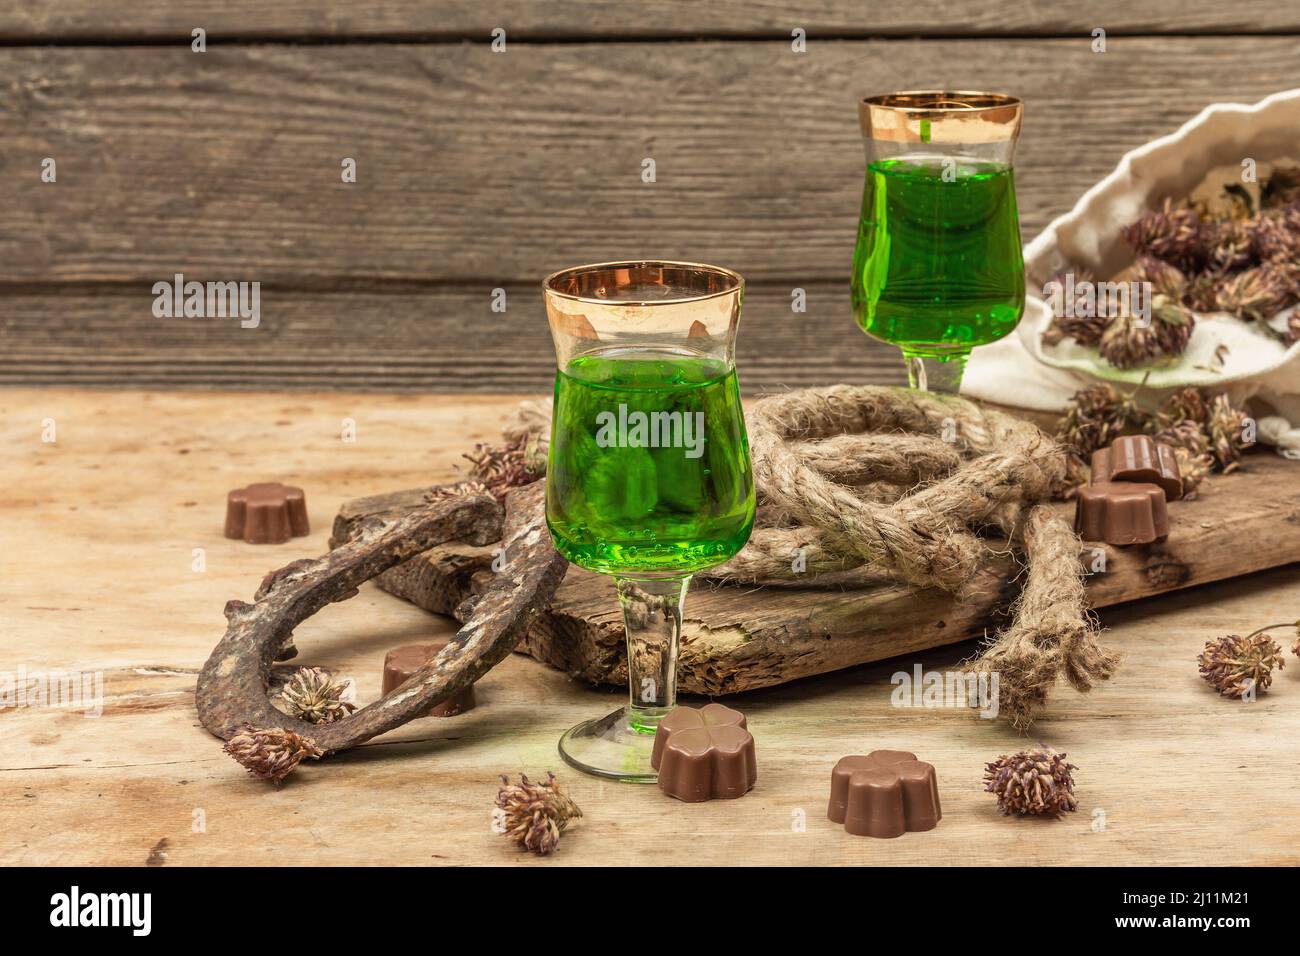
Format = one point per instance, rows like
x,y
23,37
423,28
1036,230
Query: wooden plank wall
x,y
480,170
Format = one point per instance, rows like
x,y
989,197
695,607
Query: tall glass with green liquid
x,y
648,476
938,267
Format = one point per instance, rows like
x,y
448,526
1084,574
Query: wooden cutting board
x,y
741,638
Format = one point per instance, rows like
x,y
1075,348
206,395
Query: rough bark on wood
x,y
738,638
232,686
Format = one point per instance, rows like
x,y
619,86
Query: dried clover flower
x,y
1276,235
1255,295
312,695
1192,469
1095,416
1130,341
1229,245
1171,234
1202,292
534,815
1167,280
271,754
1077,474
1173,323
1227,430
1236,666
1186,403
1032,783
1083,328
462,489
1186,434
508,466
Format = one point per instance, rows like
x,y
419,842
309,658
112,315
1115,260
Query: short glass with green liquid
x,y
648,477
938,267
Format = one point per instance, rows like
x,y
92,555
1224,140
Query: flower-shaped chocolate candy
x,y
884,794
704,754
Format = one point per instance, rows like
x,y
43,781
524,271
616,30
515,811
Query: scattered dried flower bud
x,y
1186,434
311,694
1226,429
1032,783
462,489
534,815
1186,403
1095,416
271,754
1193,469
503,468
1235,665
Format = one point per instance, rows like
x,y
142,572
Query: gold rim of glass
x,y
942,101
588,283
941,117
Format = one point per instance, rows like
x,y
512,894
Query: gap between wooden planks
x,y
741,638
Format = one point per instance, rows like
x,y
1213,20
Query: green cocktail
x,y
649,469
648,478
938,267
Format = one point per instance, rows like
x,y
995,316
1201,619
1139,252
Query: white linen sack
x,y
1020,371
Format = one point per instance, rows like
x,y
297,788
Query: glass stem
x,y
932,373
652,617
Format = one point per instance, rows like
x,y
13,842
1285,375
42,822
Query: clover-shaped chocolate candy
x,y
266,513
704,754
884,794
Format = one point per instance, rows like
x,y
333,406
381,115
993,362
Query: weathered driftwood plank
x,y
482,166
738,639
667,18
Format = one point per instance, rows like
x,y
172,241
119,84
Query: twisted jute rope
x,y
901,483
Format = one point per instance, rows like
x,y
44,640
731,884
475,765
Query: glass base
x,y
935,373
612,747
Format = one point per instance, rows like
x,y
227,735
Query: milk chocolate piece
x,y
1121,512
704,754
401,662
884,794
266,513
1139,458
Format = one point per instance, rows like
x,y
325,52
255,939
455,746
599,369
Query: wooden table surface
x,y
97,575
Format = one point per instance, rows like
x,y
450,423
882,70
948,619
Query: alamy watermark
x,y
208,300
923,688
75,690
75,908
637,429
1104,300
